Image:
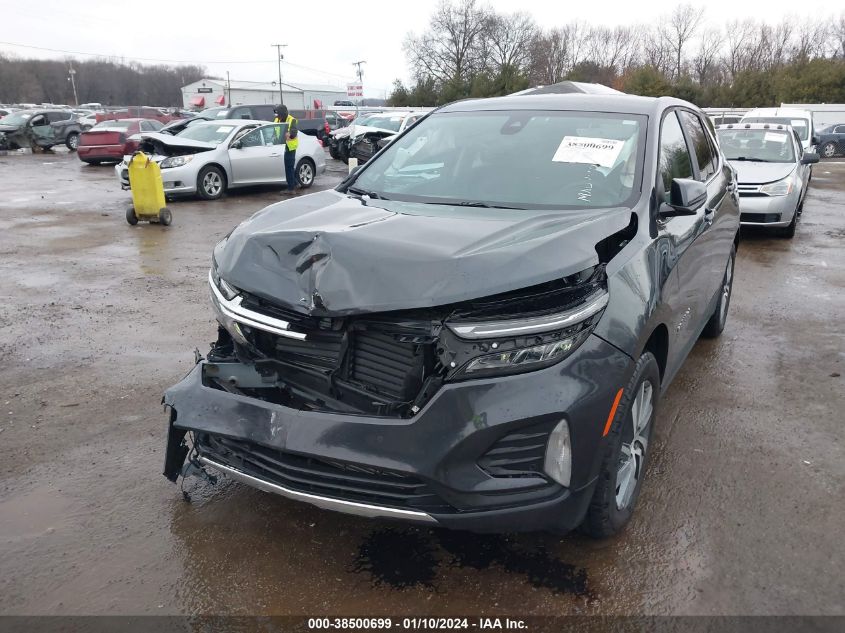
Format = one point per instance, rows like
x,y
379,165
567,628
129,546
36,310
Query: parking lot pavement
x,y
741,511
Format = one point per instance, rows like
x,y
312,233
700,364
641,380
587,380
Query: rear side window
x,y
263,113
703,150
675,159
58,116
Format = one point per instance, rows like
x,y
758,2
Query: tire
x,y
72,141
625,450
789,231
716,322
130,216
333,151
305,173
211,183
165,217
828,150
91,161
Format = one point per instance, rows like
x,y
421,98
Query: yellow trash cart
x,y
147,192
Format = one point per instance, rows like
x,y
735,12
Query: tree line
x,y
469,50
97,81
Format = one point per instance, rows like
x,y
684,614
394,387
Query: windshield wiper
x,y
362,192
752,160
475,203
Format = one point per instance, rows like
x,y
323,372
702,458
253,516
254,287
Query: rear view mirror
x,y
685,198
809,158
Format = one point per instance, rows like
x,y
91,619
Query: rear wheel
x,y
211,183
717,320
165,217
829,150
130,216
625,452
72,141
305,173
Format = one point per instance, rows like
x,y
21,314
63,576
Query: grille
x,y
519,453
338,480
752,194
761,218
394,369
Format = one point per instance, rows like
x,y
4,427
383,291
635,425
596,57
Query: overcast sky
x,y
323,37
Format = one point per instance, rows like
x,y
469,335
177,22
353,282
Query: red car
x,y
109,140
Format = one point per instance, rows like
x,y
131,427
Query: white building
x,y
207,93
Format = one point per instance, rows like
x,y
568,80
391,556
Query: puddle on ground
x,y
423,553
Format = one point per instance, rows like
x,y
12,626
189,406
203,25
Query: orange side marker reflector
x,y
612,412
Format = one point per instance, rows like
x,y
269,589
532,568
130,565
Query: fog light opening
x,y
558,461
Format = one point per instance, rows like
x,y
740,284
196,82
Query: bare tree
x,y
811,40
509,40
655,51
680,29
706,62
452,47
550,57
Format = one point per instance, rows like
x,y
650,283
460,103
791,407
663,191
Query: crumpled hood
x,y
751,173
9,128
331,254
176,141
359,130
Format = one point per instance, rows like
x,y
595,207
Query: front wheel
x,y
717,320
72,141
625,452
211,183
829,150
305,173
165,217
131,217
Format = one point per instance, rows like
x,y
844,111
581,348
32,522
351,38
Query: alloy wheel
x,y
212,183
726,289
634,445
306,174
829,150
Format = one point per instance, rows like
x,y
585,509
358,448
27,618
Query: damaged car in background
x,y
38,129
208,158
360,139
454,339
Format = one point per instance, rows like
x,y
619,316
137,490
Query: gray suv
x,y
475,329
39,129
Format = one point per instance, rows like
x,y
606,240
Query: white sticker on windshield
x,y
774,136
224,129
592,151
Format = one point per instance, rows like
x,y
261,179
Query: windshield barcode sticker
x,y
774,137
591,151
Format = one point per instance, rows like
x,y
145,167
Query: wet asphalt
x,y
741,512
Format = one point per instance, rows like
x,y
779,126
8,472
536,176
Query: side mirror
x,y
685,198
237,145
809,158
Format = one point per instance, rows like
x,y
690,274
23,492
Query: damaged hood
x,y
751,173
174,141
359,130
330,254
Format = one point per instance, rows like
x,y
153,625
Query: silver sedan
x,y
209,158
771,181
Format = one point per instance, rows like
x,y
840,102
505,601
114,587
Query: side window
x,y
38,120
146,127
698,138
252,139
155,125
839,129
262,113
674,159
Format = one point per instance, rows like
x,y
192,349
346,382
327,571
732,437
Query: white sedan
x,y
209,158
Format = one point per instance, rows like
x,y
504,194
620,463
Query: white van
x,y
800,120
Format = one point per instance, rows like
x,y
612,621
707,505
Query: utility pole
x,y
228,90
72,72
279,48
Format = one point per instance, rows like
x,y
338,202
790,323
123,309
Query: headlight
x,y
176,161
779,188
518,345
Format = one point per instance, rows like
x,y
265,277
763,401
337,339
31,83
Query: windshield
x,y
16,118
802,126
518,159
392,123
208,133
216,113
113,125
769,146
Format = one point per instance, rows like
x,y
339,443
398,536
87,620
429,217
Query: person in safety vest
x,y
291,141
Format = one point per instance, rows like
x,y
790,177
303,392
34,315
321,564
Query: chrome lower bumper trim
x,y
327,503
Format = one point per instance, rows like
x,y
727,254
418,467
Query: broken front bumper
x,y
446,465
